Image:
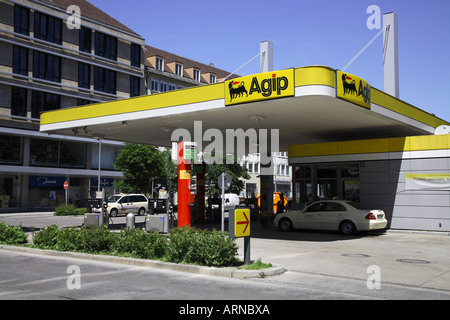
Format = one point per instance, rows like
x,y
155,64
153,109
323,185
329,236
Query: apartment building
x,y
59,54
166,71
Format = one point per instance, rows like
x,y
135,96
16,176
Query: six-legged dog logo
x,y
237,89
349,84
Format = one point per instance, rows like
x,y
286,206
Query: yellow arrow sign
x,y
241,223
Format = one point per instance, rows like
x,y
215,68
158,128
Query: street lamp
x,y
99,137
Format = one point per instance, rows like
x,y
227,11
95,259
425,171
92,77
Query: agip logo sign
x,y
263,86
353,89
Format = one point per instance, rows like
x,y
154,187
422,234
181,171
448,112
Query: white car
x,y
344,216
127,203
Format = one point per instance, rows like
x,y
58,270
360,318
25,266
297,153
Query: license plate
x,y
380,216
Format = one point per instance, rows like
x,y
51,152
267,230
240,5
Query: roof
x,y
92,12
311,114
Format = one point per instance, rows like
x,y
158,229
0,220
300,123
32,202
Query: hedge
x,y
183,245
69,210
12,235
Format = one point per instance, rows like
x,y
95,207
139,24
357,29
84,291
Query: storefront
x,y
34,167
314,182
409,178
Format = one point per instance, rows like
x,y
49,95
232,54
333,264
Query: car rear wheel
x,y
142,212
347,227
113,212
285,225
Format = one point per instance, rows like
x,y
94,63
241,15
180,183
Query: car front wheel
x,y
142,212
285,224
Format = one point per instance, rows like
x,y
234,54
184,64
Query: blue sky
x,y
304,32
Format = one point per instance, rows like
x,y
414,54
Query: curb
x,y
230,272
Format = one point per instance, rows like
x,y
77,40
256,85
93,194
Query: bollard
x,y
130,221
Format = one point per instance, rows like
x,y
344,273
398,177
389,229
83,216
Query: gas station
x,y
340,132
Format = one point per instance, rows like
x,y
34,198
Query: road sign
x,y
224,181
66,185
241,223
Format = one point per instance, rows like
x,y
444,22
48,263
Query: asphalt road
x,y
392,265
35,277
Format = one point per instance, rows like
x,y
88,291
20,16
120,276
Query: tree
x,y
170,176
236,172
143,166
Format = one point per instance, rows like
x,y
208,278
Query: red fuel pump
x,y
184,181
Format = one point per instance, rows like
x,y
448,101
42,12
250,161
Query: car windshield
x,y
113,198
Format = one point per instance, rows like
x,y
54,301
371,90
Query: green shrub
x,y
46,237
69,210
203,247
12,235
85,240
68,239
184,245
139,244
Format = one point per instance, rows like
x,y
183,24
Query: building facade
x,y
282,174
165,71
59,54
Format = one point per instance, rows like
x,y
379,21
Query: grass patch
x,y
258,265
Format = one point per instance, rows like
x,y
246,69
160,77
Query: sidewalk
x,y
403,258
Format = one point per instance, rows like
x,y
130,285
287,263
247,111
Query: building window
x,y
172,87
108,156
196,75
43,101
179,69
105,80
155,86
212,78
20,60
159,64
85,41
105,46
43,152
72,154
84,75
135,86
47,28
10,149
19,101
21,20
135,57
46,66
57,153
162,87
